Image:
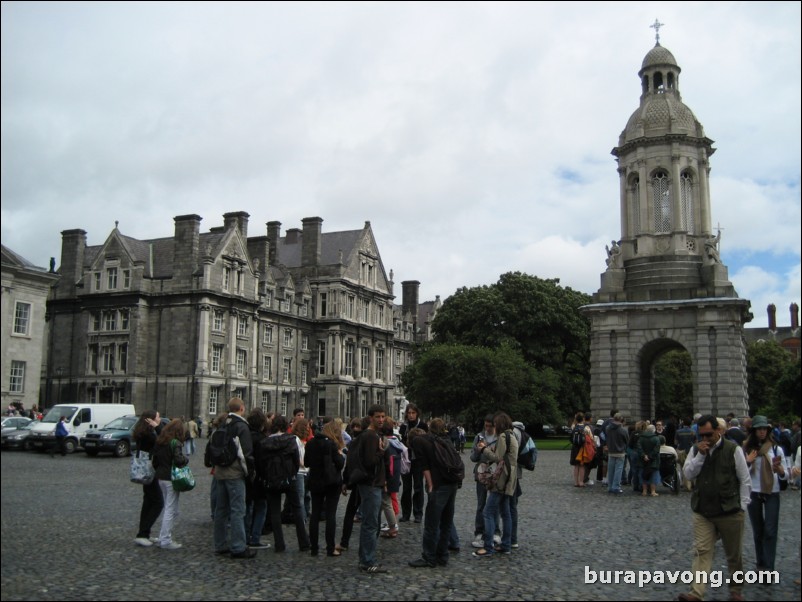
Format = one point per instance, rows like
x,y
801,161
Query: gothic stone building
x,y
182,324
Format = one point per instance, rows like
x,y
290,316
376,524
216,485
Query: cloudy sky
x,y
476,138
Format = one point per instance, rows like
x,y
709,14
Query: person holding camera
x,y
487,438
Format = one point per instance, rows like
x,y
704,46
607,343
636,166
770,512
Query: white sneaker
x,y
497,539
172,546
479,542
385,527
604,481
514,546
591,482
143,541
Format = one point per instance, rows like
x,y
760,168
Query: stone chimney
x,y
293,236
186,248
772,311
310,253
794,316
237,219
410,289
273,236
73,246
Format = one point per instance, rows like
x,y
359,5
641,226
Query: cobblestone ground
x,y
68,526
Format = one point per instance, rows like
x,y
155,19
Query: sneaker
x,y
247,553
154,539
172,546
591,482
143,541
604,481
374,568
479,542
385,527
497,539
259,546
420,563
515,546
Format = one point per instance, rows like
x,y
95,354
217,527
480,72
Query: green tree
x,y
673,385
469,382
774,380
537,318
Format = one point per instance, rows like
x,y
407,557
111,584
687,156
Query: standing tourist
x,y
169,451
412,492
145,432
617,439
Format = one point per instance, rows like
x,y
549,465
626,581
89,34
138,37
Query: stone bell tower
x,y
665,286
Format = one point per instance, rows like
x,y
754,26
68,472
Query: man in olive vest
x,y
719,500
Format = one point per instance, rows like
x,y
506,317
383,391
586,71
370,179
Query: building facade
x,y
25,288
182,324
666,286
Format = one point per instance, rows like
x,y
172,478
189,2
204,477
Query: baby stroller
x,y
669,472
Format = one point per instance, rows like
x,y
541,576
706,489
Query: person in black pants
x,y
145,432
412,493
325,461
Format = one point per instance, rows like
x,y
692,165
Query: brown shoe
x,y
689,598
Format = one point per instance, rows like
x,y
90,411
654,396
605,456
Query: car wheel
x,y
123,449
70,446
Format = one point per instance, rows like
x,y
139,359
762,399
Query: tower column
x,y
676,194
706,227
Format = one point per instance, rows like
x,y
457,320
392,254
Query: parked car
x,y
116,437
17,438
12,423
548,430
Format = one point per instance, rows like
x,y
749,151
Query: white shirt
x,y
756,469
695,461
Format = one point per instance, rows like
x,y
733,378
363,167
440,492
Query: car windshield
x,y
54,415
30,425
122,424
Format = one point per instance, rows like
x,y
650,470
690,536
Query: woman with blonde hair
x,y
169,451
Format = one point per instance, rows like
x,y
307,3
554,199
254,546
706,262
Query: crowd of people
x,y
269,470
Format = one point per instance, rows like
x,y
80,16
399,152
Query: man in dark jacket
x,y
617,439
370,453
230,508
441,500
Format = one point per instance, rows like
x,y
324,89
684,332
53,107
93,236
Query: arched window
x,y
634,203
686,191
661,195
670,81
658,82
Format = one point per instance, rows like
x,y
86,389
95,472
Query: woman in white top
x,y
767,467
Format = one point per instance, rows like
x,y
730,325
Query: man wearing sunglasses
x,y
719,500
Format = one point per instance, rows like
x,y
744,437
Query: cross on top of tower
x,y
656,26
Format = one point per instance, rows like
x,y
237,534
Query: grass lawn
x,y
546,444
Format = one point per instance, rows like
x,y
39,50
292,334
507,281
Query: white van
x,y
80,418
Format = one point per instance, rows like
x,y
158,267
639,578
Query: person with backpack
x,y
168,452
505,457
231,454
355,427
527,457
280,458
256,493
488,437
577,443
649,456
325,460
412,492
393,453
441,465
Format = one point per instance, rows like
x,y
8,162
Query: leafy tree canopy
x,y
774,381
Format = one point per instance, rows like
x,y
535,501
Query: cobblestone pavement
x,y
68,526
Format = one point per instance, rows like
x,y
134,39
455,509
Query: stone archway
x,y
648,357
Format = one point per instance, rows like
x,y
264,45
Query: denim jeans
x,y
764,514
514,512
300,485
634,469
498,503
437,523
615,469
229,512
255,519
170,515
371,500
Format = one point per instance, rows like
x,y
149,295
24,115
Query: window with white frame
x,y
364,365
217,320
16,382
97,321
108,358
285,399
366,311
265,405
288,337
267,339
380,363
321,357
98,280
351,306
217,358
397,357
22,318
125,319
242,326
126,278
110,320
287,371
226,278
214,394
91,359
242,362
305,342
111,278
267,367
348,367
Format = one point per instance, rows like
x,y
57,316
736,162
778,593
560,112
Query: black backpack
x,y
526,458
279,461
578,435
448,461
221,450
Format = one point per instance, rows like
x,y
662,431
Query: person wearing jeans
x,y
488,436
168,452
617,440
370,456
